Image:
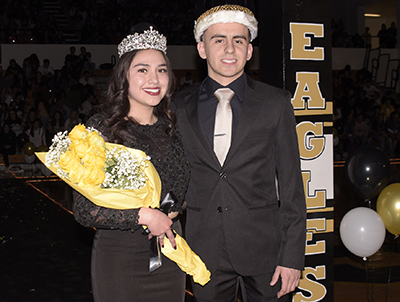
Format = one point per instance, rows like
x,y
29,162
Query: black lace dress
x,y
120,256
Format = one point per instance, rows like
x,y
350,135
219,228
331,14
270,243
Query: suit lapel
x,y
251,108
191,107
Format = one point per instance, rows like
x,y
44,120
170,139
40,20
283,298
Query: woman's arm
x,y
90,215
158,223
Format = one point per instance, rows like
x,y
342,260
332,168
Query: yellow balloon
x,y
388,207
29,148
42,148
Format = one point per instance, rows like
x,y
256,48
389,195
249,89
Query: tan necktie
x,y
223,123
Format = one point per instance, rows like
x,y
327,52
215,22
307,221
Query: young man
x,y
246,211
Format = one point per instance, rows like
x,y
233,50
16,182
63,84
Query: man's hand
x,y
290,279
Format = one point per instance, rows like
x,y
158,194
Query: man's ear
x,y
249,52
201,50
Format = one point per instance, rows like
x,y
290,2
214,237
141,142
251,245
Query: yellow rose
x,y
77,173
94,157
80,147
68,160
95,139
93,176
78,132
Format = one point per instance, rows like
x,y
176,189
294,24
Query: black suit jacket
x,y
237,204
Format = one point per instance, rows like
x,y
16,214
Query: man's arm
x,y
292,208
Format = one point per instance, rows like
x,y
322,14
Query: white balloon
x,y
29,158
362,231
45,171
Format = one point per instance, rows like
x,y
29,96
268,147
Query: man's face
x,y
227,48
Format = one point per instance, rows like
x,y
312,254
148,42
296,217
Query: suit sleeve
x,y
292,212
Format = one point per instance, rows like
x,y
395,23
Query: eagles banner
x,y
295,54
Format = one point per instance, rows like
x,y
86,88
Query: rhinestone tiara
x,y
149,39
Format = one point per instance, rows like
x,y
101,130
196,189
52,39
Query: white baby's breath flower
x,y
91,129
60,144
123,170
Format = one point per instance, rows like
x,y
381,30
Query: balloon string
x,y
373,281
390,267
366,278
370,291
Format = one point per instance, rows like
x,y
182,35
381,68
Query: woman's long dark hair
x,y
115,104
32,127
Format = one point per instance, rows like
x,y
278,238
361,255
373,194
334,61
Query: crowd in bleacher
x,y
364,114
38,101
93,21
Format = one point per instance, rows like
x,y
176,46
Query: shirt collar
x,y
237,86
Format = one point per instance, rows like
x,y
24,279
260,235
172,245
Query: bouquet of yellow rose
x,y
117,177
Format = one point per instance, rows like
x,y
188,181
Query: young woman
x,y
72,120
136,113
36,133
58,122
8,143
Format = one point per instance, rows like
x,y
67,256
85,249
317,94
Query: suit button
x,y
219,210
222,175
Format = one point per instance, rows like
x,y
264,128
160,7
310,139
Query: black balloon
x,y
339,126
368,170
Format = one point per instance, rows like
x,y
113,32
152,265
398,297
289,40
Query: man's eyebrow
x,y
218,36
240,37
223,36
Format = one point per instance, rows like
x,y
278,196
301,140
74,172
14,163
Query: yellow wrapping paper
x,y
186,259
148,196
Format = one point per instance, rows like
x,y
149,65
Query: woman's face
x,y
148,80
36,125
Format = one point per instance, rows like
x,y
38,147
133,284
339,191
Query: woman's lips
x,y
152,91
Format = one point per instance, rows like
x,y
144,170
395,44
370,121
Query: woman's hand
x,y
158,223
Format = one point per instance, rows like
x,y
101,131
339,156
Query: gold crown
x,y
223,8
149,39
226,14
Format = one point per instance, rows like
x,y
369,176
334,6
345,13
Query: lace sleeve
x,y
182,173
90,215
